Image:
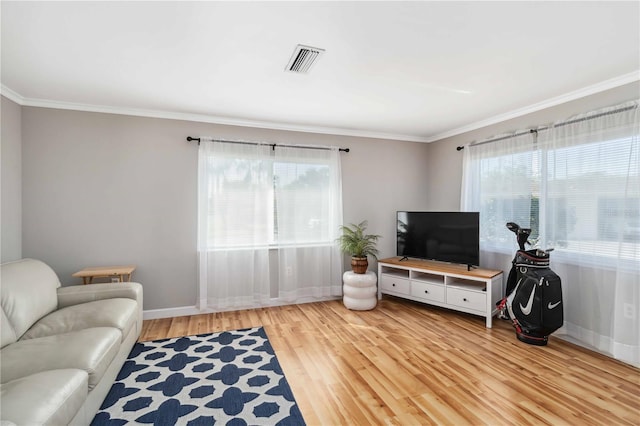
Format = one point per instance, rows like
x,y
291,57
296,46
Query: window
x,y
239,197
578,191
268,197
268,218
577,185
592,198
301,198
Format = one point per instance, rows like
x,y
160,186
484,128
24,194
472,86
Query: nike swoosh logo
x,y
553,305
527,309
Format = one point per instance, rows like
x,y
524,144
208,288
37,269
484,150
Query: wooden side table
x,y
122,273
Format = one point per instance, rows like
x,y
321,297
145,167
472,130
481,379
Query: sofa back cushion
x,y
7,334
28,292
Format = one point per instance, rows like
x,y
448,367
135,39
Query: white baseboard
x,y
170,312
193,310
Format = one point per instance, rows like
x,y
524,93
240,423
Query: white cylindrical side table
x,y
360,291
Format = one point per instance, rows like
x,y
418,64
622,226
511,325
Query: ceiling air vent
x,y
303,59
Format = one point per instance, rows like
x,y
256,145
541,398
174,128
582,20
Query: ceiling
x,y
398,70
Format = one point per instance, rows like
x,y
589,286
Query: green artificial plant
x,y
355,242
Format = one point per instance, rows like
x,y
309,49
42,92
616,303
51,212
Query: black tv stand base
x,y
404,258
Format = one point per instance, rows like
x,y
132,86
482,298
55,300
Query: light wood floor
x,y
406,364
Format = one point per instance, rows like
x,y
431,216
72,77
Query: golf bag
x,y
533,296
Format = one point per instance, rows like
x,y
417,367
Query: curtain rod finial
x,y
460,148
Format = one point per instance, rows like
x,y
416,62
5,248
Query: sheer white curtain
x,y
268,220
576,184
593,221
309,213
235,224
500,181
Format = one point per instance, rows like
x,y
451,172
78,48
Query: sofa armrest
x,y
75,294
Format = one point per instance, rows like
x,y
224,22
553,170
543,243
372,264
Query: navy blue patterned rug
x,y
231,378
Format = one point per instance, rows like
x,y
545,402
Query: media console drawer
x,y
427,291
394,284
466,299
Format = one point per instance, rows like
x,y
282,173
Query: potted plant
x,y
359,245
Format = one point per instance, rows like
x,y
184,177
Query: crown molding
x,y
10,94
567,97
202,118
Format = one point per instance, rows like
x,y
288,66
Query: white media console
x,y
474,291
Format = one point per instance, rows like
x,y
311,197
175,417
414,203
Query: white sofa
x,y
61,347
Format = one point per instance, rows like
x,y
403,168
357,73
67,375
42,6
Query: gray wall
x,y
101,189
104,189
11,181
445,163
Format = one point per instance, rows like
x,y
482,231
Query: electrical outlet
x,y
629,311
288,271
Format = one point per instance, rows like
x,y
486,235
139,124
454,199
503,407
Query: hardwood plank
x,y
405,363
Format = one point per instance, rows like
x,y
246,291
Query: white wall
x,y
11,181
104,189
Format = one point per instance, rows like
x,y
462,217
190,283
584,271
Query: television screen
x,y
445,236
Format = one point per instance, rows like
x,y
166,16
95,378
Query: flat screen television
x,y
452,237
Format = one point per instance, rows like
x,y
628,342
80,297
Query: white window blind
x,y
592,203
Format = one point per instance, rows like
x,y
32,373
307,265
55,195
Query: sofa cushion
x,y
118,313
7,333
28,293
91,350
76,294
46,398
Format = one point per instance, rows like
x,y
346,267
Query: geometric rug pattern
x,y
230,378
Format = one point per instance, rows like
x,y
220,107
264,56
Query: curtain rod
x,y
272,145
564,123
